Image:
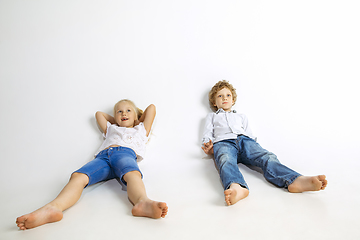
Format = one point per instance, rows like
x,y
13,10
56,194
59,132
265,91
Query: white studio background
x,y
295,66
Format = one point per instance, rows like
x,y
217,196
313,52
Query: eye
x,y
220,96
128,110
119,111
229,95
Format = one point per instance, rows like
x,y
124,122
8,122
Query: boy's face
x,y
224,99
125,115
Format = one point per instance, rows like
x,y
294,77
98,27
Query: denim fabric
x,y
228,153
110,163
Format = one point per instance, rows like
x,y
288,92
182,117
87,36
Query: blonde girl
x,y
126,134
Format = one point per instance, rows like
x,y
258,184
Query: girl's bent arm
x,y
148,118
102,119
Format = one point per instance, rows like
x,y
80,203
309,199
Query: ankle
x,y
140,200
55,206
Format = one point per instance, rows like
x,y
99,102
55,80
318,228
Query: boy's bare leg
x,y
52,212
305,183
235,193
143,206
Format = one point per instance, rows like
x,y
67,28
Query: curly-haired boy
x,y
228,136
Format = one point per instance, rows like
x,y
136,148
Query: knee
x,y
131,174
81,177
223,161
272,157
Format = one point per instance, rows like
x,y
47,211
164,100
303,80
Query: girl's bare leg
x,y
143,206
305,183
52,212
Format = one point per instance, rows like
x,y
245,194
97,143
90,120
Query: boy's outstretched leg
x,y
143,206
305,183
235,193
52,212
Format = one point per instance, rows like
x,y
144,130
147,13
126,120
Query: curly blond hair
x,y
216,88
138,111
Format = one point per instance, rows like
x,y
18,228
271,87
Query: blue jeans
x,y
110,163
228,153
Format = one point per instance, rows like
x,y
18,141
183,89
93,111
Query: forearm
x,y
102,119
148,118
208,130
107,117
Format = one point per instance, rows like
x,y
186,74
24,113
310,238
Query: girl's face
x,y
125,114
224,99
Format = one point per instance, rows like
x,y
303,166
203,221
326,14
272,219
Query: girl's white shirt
x,y
134,138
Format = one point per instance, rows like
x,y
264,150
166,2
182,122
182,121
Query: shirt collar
x,y
220,110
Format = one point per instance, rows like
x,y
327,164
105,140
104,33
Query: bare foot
x,y
149,208
305,183
235,193
46,214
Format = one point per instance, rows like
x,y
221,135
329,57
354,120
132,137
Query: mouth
x,y
124,119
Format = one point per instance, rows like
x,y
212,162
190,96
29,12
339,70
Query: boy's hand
x,y
208,148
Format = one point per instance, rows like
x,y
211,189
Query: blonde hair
x,y
138,111
216,88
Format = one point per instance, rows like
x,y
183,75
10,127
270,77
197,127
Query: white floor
x,y
295,68
190,185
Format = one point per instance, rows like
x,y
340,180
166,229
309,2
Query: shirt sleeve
x,y
141,126
108,124
208,133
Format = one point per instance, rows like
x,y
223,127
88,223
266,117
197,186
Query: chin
x,y
127,125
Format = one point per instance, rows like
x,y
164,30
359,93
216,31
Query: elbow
x,y
152,108
97,114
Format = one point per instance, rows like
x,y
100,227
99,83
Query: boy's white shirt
x,y
225,125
